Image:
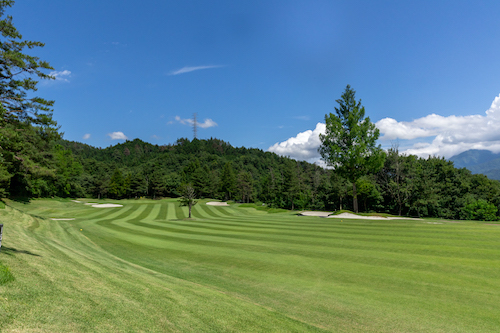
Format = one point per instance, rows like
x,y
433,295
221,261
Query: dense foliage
x,y
406,185
27,130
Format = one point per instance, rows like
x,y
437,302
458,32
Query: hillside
x,y
479,162
406,185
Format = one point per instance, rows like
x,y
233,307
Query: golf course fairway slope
x,y
145,267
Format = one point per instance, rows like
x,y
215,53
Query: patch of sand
x,y
358,217
106,205
311,213
90,203
62,219
216,203
76,201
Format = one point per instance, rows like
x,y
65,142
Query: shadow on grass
x,y
24,200
10,251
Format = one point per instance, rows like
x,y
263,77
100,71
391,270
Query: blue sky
x,y
263,74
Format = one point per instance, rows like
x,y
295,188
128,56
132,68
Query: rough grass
x,y
5,275
143,267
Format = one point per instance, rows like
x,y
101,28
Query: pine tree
x,y
26,124
349,143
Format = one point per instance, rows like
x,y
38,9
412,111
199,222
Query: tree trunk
x,y
189,210
354,198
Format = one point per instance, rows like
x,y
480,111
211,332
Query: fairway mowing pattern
x,y
328,274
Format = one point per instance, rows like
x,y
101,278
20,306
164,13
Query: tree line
x,y
405,185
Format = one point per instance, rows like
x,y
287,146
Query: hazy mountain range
x,y
479,161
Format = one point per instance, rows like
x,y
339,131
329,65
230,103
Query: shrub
x,y
480,210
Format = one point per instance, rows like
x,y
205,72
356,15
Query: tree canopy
x,y
27,129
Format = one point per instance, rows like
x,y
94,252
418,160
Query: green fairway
x,y
145,267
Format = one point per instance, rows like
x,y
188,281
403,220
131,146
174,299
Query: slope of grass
x,y
144,267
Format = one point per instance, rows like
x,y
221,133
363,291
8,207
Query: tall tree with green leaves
x,y
117,188
228,181
349,144
26,124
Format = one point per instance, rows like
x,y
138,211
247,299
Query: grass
x,y
143,267
5,275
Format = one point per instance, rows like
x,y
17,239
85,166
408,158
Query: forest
x,y
405,185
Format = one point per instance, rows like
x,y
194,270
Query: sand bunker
x,y
351,216
106,205
358,217
76,201
62,219
216,203
321,214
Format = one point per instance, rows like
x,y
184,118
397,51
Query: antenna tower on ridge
x,y
195,125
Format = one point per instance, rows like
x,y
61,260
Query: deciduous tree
x,y
188,197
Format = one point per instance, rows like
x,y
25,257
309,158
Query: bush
x,y
480,210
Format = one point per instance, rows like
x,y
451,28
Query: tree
x,y
188,196
26,124
117,185
349,143
245,185
480,210
228,181
398,177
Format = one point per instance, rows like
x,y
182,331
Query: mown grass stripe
x,y
225,211
181,212
350,276
112,213
90,212
162,214
217,211
303,240
208,211
135,214
274,259
171,211
153,212
199,212
144,214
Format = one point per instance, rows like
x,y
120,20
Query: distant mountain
x,y
479,161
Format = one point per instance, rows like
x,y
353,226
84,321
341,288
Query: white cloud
x,y
304,146
188,69
205,124
156,137
86,136
61,75
433,135
117,136
450,135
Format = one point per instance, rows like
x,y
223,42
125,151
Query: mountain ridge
x,y
479,162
